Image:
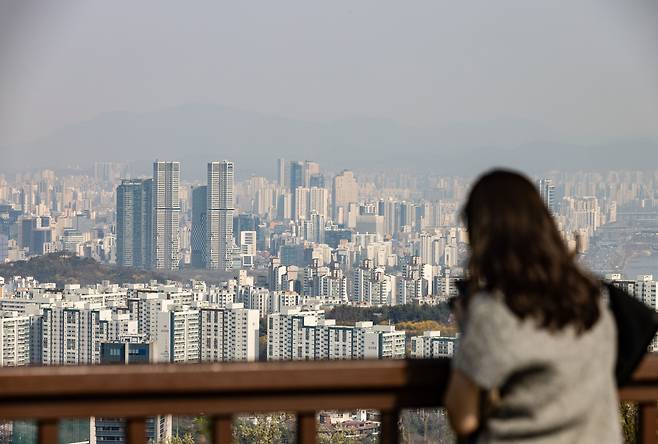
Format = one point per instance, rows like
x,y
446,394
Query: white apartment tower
x,y
177,335
166,215
646,290
14,339
220,215
228,334
72,333
295,334
432,345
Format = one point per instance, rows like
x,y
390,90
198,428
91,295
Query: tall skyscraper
x,y
220,209
345,190
166,215
547,193
296,176
199,226
134,219
301,173
311,172
281,172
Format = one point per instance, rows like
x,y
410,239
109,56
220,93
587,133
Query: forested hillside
x,y
63,268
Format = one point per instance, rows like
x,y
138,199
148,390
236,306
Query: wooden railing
x,y
220,391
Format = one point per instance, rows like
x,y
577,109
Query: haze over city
x,y
430,86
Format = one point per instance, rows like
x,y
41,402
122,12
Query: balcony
x,y
222,390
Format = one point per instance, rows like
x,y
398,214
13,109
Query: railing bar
x,y
135,431
389,430
307,430
48,431
222,429
647,423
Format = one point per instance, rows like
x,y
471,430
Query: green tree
x,y
265,429
187,438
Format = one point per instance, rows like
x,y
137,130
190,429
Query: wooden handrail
x,y
150,379
221,390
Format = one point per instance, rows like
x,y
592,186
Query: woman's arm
x,y
462,402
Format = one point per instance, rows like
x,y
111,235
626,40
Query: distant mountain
x,y
195,134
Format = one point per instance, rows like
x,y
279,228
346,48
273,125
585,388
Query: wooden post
x,y
222,432
389,430
48,431
136,431
307,430
646,433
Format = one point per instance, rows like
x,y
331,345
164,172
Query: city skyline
x,y
307,263
204,190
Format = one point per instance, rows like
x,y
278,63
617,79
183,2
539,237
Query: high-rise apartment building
x,y
14,339
432,345
295,180
199,226
646,290
248,247
327,284
72,333
166,215
311,200
228,334
220,208
35,234
177,338
372,286
296,175
134,218
281,172
345,190
547,193
4,247
296,334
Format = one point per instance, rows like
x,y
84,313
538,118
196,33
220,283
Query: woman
x,y
535,363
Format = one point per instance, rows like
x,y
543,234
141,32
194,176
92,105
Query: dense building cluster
x,y
295,246
163,222
43,325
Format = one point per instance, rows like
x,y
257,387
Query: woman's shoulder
x,y
490,308
488,304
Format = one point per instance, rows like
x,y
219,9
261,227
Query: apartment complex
x,y
302,334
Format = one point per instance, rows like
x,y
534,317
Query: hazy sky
x,y
585,70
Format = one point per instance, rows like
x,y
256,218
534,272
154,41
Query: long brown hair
x,y
517,250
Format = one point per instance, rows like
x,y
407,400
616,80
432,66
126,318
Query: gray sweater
x,y
554,387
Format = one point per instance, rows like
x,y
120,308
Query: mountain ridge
x,y
196,133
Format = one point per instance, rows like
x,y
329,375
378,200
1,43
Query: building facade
x,y
432,345
220,208
166,215
301,334
199,226
134,218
